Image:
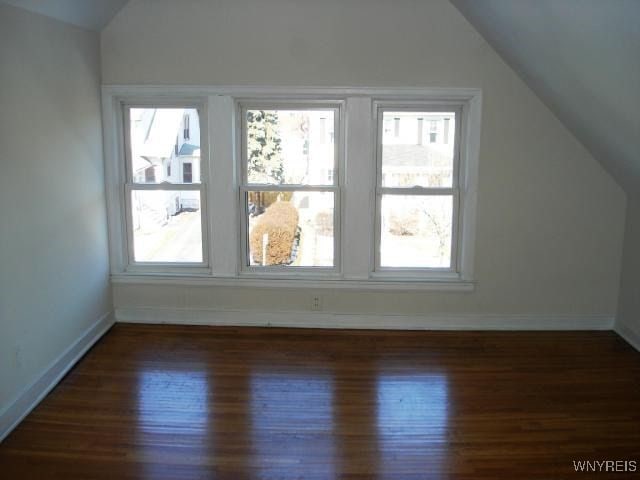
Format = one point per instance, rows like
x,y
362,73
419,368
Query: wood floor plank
x,y
174,402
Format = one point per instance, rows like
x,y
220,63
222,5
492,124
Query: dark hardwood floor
x,y
167,402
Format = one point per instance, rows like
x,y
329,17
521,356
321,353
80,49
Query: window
x,y
420,131
149,175
433,133
323,130
446,130
330,175
186,132
417,194
357,188
290,202
187,173
164,218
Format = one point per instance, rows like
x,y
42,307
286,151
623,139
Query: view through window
x,y
371,187
416,189
165,185
290,187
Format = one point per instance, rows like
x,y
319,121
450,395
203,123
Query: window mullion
x,y
223,204
359,194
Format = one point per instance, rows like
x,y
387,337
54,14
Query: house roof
x,y
188,149
154,131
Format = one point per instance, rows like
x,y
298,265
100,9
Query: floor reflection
x,y
292,425
173,420
412,418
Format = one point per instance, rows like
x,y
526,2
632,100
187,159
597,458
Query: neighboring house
x,y
311,160
418,149
321,149
165,146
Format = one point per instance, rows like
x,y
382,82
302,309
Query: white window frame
x,y
126,179
243,105
453,271
356,177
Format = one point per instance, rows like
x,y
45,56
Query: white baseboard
x,y
631,337
159,315
34,393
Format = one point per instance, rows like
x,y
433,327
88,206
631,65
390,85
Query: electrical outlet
x,y
316,303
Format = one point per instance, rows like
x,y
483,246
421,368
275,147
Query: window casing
x,y
355,182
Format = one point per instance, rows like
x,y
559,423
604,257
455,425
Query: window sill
x,y
373,284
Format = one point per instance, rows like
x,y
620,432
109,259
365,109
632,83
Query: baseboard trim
x,y
178,316
631,337
34,393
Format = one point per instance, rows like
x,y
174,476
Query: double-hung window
x,y
362,187
417,190
289,191
165,218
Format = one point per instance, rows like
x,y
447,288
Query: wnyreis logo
x,y
605,465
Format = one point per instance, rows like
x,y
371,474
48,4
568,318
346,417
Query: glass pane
x,y
417,149
167,226
165,145
416,231
292,229
290,147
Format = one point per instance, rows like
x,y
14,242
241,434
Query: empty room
x,y
323,240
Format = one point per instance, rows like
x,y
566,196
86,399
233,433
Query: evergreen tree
x,y
265,164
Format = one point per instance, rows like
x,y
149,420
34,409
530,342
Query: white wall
x,y
53,239
628,320
550,220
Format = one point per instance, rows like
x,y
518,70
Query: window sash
x,y
416,191
130,185
247,268
126,134
417,271
245,187
380,107
323,105
162,266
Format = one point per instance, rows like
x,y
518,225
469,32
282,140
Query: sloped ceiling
x,y
582,58
91,14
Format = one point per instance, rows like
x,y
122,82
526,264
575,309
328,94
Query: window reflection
x,y
292,425
412,416
173,411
